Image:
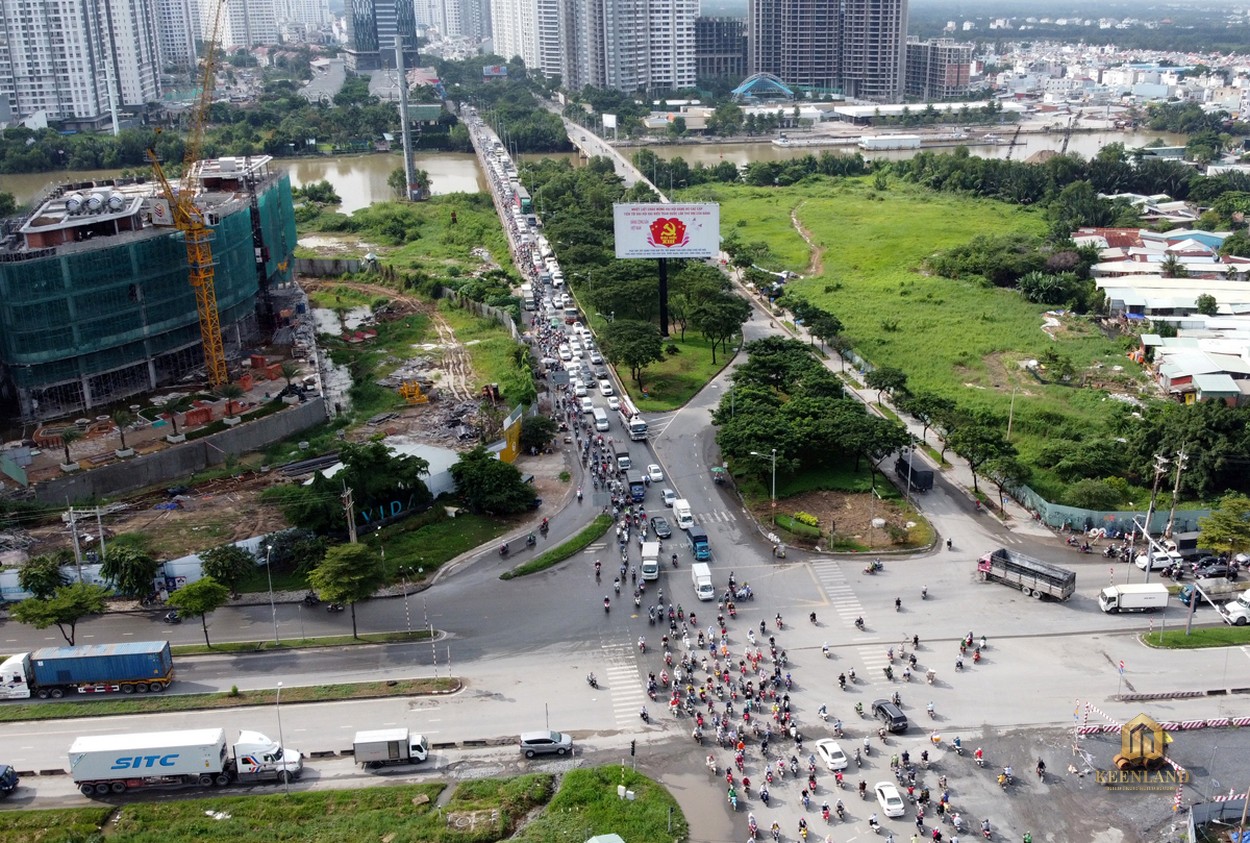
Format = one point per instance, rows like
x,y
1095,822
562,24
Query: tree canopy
x,y
490,485
64,608
200,599
348,574
633,344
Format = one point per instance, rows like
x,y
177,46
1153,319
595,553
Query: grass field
x,y
955,338
493,353
478,811
674,381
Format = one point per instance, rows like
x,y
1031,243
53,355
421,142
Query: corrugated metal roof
x,y
128,648
1221,383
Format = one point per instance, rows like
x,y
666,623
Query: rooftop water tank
x,y
95,202
73,203
116,201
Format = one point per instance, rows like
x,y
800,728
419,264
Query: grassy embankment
x,y
479,811
954,338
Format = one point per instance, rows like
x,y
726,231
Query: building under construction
x,y
95,305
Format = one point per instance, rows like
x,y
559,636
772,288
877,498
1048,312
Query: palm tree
x,y
1172,267
171,408
121,418
231,392
289,371
69,436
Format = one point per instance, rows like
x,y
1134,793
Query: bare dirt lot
x,y
851,516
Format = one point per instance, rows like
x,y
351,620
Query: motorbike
x,y
859,624
651,615
172,617
531,540
873,567
592,681
823,711
607,604
311,599
840,810
503,549
874,825
334,607
644,715
924,592
859,759
897,699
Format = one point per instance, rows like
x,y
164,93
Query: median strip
x,y
589,534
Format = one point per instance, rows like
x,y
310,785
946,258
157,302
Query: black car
x,y
1218,568
660,524
890,715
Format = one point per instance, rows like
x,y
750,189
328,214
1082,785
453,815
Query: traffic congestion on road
x,y
793,698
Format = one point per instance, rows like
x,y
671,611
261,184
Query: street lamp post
x,y
273,609
773,497
277,704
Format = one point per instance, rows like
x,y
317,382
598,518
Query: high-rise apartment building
x,y
314,13
874,49
242,25
856,46
720,48
373,26
938,69
176,28
75,61
626,44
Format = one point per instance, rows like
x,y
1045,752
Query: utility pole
x,y
99,525
350,508
73,532
1181,459
1161,467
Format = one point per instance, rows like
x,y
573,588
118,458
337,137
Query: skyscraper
x,y
242,25
937,69
372,26
856,46
75,60
176,27
874,49
720,47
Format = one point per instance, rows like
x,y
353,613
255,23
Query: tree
x,y
232,392
1006,471
199,599
841,345
720,318
1207,304
66,607
172,407
69,436
926,408
289,371
41,575
348,574
228,565
122,418
490,485
1227,528
886,379
1093,494
8,204
536,432
293,550
131,570
979,443
1172,267
824,326
634,344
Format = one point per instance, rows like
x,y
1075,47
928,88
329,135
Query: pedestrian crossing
x,y
716,516
832,579
624,684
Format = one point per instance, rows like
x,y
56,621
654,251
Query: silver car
x,y
545,743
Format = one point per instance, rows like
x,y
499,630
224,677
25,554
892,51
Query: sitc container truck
x,y
132,668
102,764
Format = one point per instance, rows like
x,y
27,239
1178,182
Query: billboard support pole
x,y
664,298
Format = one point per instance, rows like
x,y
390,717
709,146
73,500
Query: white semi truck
x,y
102,764
1237,612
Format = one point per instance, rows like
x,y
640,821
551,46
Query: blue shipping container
x,y
101,663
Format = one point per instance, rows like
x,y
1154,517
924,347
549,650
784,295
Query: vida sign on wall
x,y
655,230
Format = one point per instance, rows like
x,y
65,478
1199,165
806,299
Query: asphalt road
x,y
525,646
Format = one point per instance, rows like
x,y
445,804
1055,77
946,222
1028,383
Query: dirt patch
x,y
332,246
816,266
851,516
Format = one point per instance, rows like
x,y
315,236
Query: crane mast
x,y
190,219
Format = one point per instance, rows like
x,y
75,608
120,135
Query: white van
x,y
601,419
701,577
683,514
650,561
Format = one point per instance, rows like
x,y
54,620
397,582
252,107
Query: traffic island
x,y
590,534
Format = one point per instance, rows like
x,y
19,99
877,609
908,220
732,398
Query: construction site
x,y
95,304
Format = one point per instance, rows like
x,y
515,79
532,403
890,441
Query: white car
x,y
888,798
565,354
605,388
614,403
655,473
596,358
668,496
579,388
1159,560
829,752
588,406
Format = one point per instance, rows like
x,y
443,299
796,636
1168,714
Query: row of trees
x,y
785,402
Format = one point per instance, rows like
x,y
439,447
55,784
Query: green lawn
x,y
479,811
1208,636
952,337
496,357
430,545
674,381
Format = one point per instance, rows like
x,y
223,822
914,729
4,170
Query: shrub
x,y
788,524
807,518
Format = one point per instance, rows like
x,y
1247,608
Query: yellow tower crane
x,y
190,218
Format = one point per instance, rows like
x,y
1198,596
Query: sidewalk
x,y
957,471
